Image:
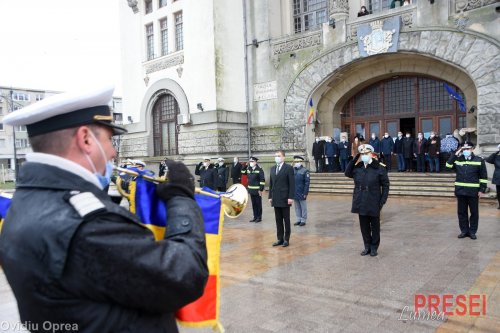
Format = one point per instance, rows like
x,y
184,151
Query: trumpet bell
x,y
235,200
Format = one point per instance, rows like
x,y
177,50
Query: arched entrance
x,y
334,77
409,104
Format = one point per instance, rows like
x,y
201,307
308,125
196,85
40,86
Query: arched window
x,y
165,112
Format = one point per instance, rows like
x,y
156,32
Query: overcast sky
x,y
59,44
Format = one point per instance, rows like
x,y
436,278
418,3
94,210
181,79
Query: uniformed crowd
x,y
72,255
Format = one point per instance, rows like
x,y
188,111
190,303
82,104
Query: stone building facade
x,y
247,74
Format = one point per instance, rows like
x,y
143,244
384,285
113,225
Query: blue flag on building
x,y
456,96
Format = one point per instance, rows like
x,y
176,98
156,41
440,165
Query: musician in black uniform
x,y
72,256
470,185
256,183
371,189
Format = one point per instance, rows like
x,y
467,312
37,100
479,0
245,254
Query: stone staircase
x,y
402,184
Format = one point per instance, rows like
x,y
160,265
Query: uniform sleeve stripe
x,y
483,181
449,165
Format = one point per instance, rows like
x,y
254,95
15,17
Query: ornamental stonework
x,y
466,5
339,7
296,43
161,64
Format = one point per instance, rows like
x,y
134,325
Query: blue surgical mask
x,y
467,153
366,158
106,179
277,159
297,165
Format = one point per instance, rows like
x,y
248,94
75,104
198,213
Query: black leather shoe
x,y
302,224
253,220
473,236
463,235
296,223
278,243
373,253
285,244
258,220
365,252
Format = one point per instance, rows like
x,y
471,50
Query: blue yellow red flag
x,y
145,203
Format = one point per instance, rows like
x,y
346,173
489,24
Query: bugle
x,y
234,200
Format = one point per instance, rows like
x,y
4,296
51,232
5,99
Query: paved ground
x,y
321,283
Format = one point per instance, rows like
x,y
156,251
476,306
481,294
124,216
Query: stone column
x,y
339,11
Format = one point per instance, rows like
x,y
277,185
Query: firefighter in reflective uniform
x,y
470,185
256,182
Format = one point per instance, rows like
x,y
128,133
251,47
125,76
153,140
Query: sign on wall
x,y
264,91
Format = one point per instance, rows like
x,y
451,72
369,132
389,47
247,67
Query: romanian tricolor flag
x,y
310,117
152,212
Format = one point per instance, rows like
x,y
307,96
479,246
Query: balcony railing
x,y
408,18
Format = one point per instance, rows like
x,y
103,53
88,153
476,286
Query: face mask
x,y
420,136
407,135
317,140
297,165
277,159
400,135
235,160
432,135
105,179
366,158
467,153
386,136
205,164
221,163
343,139
373,137
252,164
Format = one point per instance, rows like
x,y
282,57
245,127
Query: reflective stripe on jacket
x,y
472,176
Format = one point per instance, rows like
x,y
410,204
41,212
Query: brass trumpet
x,y
234,200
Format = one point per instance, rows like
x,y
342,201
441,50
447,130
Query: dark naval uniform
x,y
471,178
208,176
256,182
73,257
371,189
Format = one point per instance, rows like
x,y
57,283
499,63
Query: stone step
x,y
392,187
416,175
391,192
330,182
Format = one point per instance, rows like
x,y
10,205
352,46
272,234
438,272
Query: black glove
x,y
179,182
356,158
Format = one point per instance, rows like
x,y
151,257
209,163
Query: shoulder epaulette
x,y
86,203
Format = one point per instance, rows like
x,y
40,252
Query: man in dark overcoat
x,y
371,189
281,194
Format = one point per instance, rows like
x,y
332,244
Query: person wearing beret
x,y
470,184
495,160
302,180
281,195
71,255
371,189
256,183
207,173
